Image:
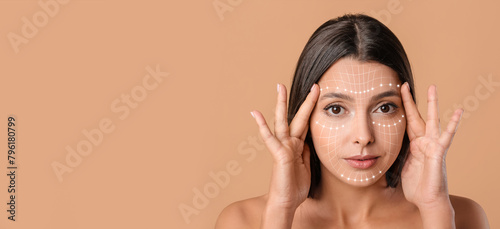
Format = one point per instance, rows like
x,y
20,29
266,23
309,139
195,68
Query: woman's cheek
x,y
330,139
321,140
389,133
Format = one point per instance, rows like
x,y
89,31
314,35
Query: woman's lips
x,y
361,162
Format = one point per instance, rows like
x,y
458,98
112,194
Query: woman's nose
x,y
362,131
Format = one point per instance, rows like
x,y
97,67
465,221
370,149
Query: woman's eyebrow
x,y
384,94
336,95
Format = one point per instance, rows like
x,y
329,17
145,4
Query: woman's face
x,y
358,123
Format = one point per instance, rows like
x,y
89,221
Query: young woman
x,y
353,151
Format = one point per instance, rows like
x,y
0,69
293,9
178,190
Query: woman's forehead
x,y
352,74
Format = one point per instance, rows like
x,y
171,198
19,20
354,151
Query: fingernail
x,y
278,87
251,112
406,85
314,85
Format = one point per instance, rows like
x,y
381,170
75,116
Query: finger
x,y
304,134
280,117
411,135
451,129
432,127
306,157
415,123
299,125
270,140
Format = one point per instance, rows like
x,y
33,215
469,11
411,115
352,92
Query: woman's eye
x,y
386,108
335,109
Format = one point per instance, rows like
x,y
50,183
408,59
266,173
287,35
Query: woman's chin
x,y
359,182
360,179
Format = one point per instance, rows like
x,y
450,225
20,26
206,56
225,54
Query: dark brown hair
x,y
365,39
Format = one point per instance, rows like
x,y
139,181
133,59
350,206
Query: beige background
x,y
65,79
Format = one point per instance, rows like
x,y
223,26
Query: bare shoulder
x,y
468,213
242,214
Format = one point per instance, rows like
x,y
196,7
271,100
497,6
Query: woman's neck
x,y
348,203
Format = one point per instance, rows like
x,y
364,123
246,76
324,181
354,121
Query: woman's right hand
x,y
291,176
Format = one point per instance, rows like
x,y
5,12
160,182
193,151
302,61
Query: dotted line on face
x,y
374,123
362,179
388,125
331,128
360,92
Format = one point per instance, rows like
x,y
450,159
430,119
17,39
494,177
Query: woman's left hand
x,y
423,177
